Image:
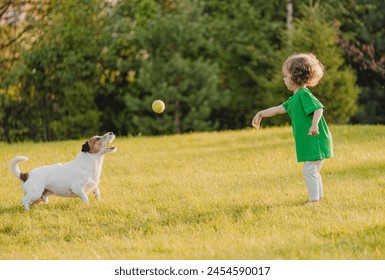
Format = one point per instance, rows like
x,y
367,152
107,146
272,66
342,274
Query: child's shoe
x,y
311,202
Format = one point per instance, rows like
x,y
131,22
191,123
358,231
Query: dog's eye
x,y
97,138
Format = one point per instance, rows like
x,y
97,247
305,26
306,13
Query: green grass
x,y
221,195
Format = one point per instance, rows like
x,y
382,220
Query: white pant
x,y
311,171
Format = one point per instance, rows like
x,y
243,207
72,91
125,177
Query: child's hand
x,y
257,121
313,131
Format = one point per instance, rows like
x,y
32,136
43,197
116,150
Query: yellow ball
x,y
158,106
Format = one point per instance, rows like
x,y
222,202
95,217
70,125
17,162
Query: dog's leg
x,y
29,201
44,196
36,202
32,188
83,197
97,193
26,203
78,191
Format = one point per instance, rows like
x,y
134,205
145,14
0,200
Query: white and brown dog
x,y
75,178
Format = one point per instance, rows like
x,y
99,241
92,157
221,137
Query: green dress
x,y
300,108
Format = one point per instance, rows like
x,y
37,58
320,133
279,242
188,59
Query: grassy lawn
x,y
221,195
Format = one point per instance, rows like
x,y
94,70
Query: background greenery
x,y
73,68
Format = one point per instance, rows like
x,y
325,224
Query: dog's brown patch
x,y
24,176
95,144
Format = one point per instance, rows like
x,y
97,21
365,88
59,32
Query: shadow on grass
x,y
233,213
360,170
365,244
54,206
12,210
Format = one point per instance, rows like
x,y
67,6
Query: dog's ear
x,y
86,147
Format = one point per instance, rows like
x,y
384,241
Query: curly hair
x,y
304,69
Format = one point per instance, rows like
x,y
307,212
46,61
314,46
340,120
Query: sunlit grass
x,y
221,195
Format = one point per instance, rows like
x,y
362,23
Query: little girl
x,y
313,141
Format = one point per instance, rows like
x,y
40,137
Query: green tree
x,y
363,40
245,37
178,72
13,37
119,95
337,90
60,68
74,67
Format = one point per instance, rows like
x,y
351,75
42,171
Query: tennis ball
x,y
158,106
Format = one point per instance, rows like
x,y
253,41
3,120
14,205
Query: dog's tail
x,y
16,170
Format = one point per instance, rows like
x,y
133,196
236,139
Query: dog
x,y
75,178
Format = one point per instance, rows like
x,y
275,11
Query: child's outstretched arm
x,y
270,112
313,131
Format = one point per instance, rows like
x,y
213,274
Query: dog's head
x,y
99,144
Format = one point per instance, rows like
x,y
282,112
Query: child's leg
x,y
320,187
311,170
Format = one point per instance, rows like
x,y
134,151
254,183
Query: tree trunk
x,y
289,16
289,20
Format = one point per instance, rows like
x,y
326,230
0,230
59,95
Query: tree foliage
x,y
337,90
178,70
246,39
56,74
363,41
119,97
74,68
